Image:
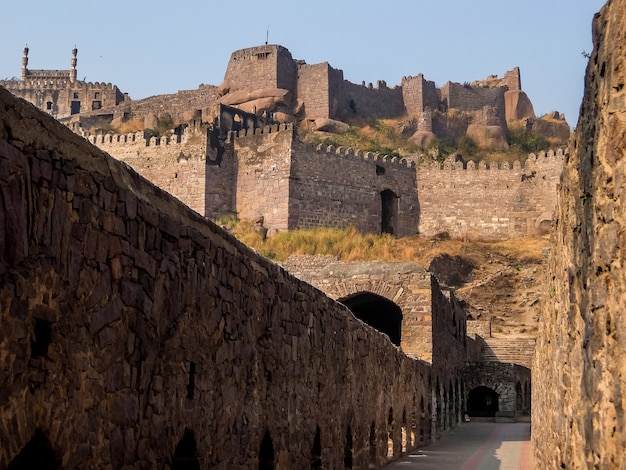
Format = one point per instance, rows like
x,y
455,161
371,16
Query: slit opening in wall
x,y
347,452
42,338
191,384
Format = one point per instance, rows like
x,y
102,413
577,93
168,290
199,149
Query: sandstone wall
x,y
338,187
255,68
578,394
263,167
418,94
56,96
175,164
133,331
489,202
314,89
366,101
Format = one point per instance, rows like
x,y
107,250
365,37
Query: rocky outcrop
x,y
580,366
517,105
488,136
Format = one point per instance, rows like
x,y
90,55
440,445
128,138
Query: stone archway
x,y
483,402
378,312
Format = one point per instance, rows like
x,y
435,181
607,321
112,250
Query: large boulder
x,y
422,138
518,106
488,136
330,125
241,97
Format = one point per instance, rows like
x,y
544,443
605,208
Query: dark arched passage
x,y
482,401
37,453
377,312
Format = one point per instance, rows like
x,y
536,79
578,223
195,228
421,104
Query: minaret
x,y
24,63
73,69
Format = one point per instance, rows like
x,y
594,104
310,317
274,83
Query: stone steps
x,y
516,351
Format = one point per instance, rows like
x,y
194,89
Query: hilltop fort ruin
x,y
238,151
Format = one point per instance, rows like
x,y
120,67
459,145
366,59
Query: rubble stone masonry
x,y
136,334
580,365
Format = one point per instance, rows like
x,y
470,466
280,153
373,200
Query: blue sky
x,y
149,48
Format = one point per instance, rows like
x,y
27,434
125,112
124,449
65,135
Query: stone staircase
x,y
513,350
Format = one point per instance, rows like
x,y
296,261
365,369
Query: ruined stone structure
x,y
60,93
135,332
487,200
319,91
579,398
266,172
476,373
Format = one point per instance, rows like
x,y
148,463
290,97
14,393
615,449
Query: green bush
x,y
527,141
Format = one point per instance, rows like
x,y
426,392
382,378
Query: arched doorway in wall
x,y
389,212
186,453
37,453
378,312
266,452
482,402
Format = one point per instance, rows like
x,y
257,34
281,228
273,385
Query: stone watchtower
x,y
261,67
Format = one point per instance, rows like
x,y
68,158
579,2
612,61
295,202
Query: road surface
x,y
474,446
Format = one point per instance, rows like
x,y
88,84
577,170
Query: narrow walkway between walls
x,y
475,446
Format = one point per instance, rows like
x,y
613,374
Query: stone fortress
x,y
164,340
238,151
136,333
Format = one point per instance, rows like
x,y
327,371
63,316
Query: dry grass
x,y
350,245
131,126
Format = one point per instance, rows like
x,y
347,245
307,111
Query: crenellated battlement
x,y
269,129
54,82
543,159
372,157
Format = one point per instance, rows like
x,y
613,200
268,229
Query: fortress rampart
x,y
489,201
266,173
149,337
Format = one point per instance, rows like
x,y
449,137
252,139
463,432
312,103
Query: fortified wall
x,y
489,201
427,322
135,332
579,392
266,173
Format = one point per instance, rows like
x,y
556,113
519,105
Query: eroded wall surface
x,y
132,330
578,393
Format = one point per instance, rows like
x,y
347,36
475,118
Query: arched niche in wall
x,y
378,312
389,212
37,453
186,453
266,452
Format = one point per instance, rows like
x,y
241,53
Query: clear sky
x,y
157,47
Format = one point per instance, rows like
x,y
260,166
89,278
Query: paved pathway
x,y
475,446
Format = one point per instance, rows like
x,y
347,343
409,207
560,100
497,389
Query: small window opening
x,y
49,105
380,170
75,95
43,337
191,385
